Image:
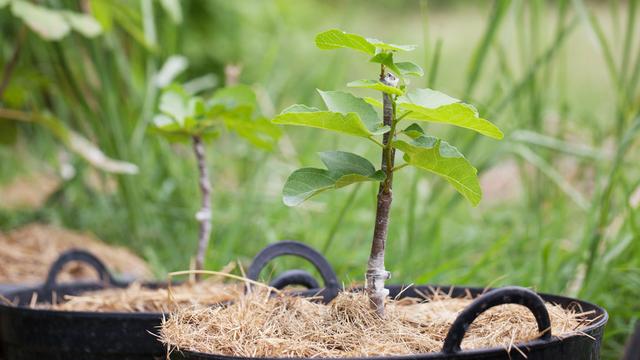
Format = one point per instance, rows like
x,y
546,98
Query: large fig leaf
x,y
347,114
343,169
390,47
375,85
437,156
335,39
434,106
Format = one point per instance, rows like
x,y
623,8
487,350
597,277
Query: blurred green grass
x,y
536,66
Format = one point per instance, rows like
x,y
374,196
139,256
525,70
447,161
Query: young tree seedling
x,y
187,118
356,116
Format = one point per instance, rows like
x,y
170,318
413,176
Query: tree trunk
x,y
376,273
204,214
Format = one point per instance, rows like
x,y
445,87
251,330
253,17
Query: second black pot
x,y
6,288
28,333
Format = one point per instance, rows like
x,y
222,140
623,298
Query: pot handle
x,y
505,295
299,249
81,256
294,277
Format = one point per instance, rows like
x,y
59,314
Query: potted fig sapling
x,y
355,116
187,118
127,315
371,323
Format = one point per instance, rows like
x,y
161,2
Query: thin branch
x,y
376,142
400,167
403,115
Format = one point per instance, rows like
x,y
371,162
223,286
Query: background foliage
x,y
560,78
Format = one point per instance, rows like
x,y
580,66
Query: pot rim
x,y
552,298
83,286
86,286
533,344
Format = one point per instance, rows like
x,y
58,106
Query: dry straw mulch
x,y
259,325
136,298
28,192
26,254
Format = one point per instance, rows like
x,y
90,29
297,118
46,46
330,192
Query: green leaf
x,y
413,131
302,115
4,3
49,24
201,83
434,106
169,128
166,123
343,169
259,132
386,59
174,103
409,68
391,47
171,68
234,96
375,85
335,39
341,162
236,102
85,24
304,183
235,107
403,68
347,114
343,102
373,102
437,156
181,115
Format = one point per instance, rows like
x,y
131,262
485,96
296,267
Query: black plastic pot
x,y
27,333
9,288
585,346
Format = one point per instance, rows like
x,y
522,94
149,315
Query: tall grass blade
x,y
500,8
575,149
553,174
603,204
